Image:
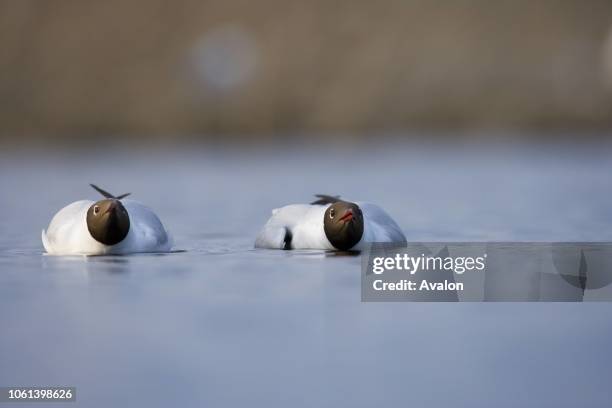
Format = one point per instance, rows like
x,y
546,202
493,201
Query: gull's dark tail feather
x,y
325,199
106,194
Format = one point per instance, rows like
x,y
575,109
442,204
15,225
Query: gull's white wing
x,y
147,233
296,226
379,226
68,232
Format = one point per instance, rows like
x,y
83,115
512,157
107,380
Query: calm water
x,y
223,324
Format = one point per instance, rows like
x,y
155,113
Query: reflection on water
x,y
287,328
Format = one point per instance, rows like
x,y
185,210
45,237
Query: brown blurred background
x,y
228,69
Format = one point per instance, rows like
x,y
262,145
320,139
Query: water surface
x,y
222,324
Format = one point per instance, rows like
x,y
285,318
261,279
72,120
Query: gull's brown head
x,y
343,224
108,221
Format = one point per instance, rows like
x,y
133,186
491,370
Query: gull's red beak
x,y
348,215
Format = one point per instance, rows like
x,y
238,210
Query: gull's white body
x,y
67,233
305,222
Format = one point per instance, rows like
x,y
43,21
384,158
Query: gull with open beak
x,y
328,223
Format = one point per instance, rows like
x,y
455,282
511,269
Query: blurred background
x,y
237,70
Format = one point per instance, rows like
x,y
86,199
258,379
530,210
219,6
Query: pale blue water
x,y
223,324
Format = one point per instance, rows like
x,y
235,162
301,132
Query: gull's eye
x,y
332,212
96,210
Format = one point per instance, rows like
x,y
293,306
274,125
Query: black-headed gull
x,y
113,225
328,223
